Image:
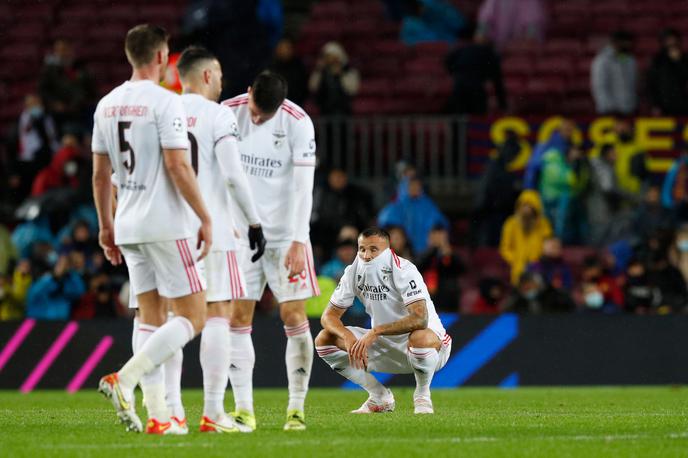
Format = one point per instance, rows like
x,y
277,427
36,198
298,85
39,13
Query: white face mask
x,y
70,168
682,245
594,300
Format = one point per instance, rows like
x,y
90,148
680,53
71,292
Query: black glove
x,y
257,241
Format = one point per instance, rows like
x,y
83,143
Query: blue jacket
x,y
670,182
417,216
531,179
51,299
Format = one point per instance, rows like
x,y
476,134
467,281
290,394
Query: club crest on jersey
x,y
278,138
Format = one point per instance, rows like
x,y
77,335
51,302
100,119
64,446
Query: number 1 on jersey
x,y
125,147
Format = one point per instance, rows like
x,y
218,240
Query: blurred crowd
x,y
571,195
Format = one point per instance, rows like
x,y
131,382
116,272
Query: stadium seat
x,y
517,65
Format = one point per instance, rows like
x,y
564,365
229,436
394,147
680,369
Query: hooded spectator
x,y
345,253
560,140
51,296
334,82
614,76
416,213
524,233
667,78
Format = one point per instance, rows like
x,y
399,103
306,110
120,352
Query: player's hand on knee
x,y
257,241
295,261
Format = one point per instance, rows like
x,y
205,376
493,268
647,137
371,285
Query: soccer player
x,y
140,133
406,335
277,145
215,157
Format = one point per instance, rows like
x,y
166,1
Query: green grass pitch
x,y
532,422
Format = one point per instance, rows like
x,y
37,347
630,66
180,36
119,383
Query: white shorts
x,y
388,353
270,269
225,280
170,267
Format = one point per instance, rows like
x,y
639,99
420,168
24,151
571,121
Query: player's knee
x,y
423,338
293,313
241,314
324,338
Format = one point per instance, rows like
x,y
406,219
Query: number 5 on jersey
x,y
125,147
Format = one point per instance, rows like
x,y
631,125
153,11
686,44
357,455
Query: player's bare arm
x,y
331,322
102,196
183,176
415,321
295,260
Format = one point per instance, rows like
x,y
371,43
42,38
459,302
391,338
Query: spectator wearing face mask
x,y
641,297
524,233
62,171
601,291
492,294
38,141
533,296
668,281
678,253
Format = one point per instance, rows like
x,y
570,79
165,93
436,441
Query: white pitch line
x,y
452,440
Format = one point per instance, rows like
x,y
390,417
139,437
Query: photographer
x,y
51,295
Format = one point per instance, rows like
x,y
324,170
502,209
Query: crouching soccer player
x,y
406,335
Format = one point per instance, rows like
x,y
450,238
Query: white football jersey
x,y
386,286
269,153
132,124
208,123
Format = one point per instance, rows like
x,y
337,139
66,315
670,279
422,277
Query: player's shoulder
x,y
237,102
401,263
293,112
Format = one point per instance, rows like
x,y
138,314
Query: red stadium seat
x,y
375,87
608,8
439,49
430,66
517,65
83,12
566,47
366,106
558,66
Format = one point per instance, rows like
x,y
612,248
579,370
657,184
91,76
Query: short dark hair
x,y
269,90
190,57
375,232
142,42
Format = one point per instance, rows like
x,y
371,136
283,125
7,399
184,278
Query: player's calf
x,y
424,358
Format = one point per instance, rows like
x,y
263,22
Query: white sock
x,y
215,353
172,370
424,362
338,360
152,383
157,349
241,362
299,359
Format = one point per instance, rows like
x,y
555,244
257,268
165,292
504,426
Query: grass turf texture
x,y
590,422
